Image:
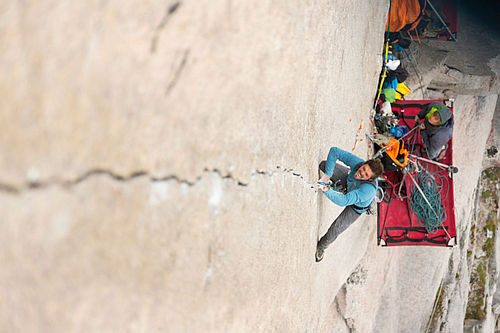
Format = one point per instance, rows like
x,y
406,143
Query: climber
x,y
355,189
436,130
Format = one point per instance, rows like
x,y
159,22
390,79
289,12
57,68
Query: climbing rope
x,y
414,63
431,213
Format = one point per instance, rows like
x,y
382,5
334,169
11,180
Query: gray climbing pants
x,y
348,215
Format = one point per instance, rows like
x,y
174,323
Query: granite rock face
x,y
159,157
426,289
159,162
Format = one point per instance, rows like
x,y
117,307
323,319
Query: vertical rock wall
x,y
158,156
426,289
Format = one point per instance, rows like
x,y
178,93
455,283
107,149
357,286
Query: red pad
x,y
397,225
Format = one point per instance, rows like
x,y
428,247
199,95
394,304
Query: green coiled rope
x,y
430,218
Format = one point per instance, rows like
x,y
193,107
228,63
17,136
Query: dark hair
x,y
376,166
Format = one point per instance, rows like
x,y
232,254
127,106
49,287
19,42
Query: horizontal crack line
x,y
40,185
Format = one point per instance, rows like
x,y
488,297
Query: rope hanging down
x,y
431,213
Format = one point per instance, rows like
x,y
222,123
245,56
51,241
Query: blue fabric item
x,y
396,47
359,193
399,131
391,84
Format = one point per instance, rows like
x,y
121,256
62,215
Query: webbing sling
x,y
403,237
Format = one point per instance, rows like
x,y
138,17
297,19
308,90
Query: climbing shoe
x,y
320,253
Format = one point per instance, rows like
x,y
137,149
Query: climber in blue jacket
x,y
353,189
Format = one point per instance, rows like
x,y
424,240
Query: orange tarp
x,y
395,151
404,12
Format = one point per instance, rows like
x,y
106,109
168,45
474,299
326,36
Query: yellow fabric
x,y
402,90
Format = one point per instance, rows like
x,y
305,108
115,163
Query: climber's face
x,y
364,173
435,119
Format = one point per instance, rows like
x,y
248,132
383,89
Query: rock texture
x,y
426,289
158,159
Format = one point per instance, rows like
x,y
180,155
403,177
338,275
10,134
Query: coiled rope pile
x,y
430,218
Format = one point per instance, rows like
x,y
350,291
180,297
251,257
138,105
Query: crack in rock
x,y
448,67
295,174
170,10
340,306
40,185
177,73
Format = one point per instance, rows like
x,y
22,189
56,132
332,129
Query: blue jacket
x,y
360,193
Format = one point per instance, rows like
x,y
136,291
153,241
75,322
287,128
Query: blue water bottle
x,y
398,131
